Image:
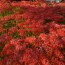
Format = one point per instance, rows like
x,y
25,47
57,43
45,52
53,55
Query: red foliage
x,y
32,34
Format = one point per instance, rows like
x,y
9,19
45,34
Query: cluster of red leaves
x,y
31,34
24,0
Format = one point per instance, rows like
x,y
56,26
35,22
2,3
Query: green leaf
x,y
16,9
16,35
33,0
23,20
29,34
1,33
1,48
5,13
9,24
2,57
8,13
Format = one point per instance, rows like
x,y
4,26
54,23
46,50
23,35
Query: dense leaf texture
x,y
33,34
